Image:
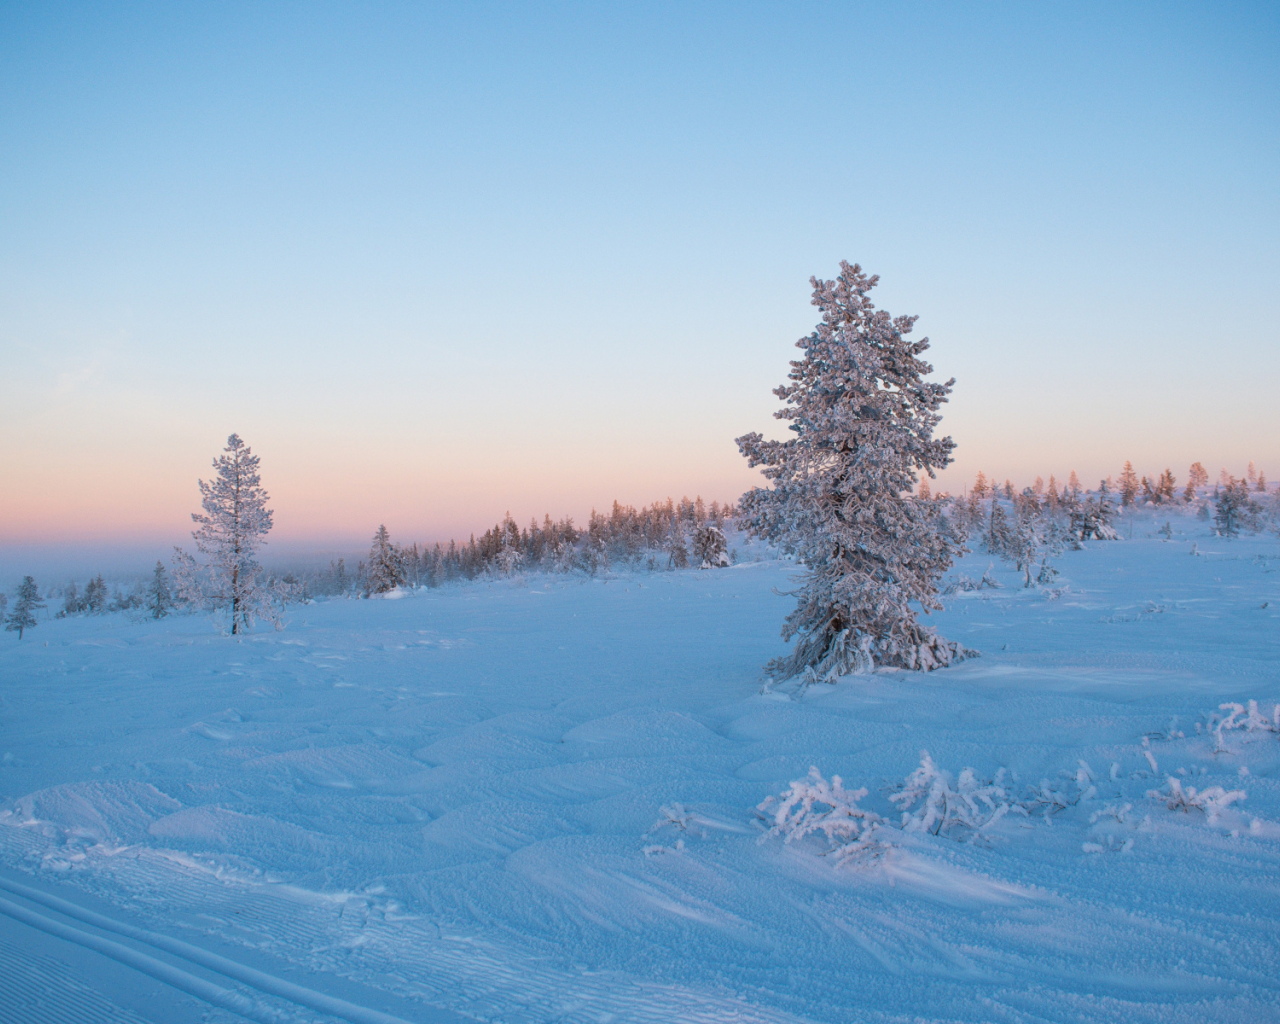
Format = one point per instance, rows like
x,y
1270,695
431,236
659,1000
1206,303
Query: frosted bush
x,y
964,584
674,815
1238,717
816,805
1212,801
941,803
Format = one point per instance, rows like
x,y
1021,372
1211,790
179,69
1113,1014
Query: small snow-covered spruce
x,y
231,529
1092,519
711,547
70,601
1197,477
1024,541
95,596
999,535
159,600
1234,509
862,419
25,605
1212,801
941,803
1128,484
386,568
509,556
811,805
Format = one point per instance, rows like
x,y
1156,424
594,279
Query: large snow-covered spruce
x,y
841,499
232,528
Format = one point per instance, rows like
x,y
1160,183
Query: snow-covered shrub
x,y
1068,790
1238,717
963,584
1118,812
862,417
1212,801
941,803
674,815
816,805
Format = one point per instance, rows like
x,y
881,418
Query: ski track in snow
x,y
451,806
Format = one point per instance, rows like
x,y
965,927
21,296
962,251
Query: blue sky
x,y
434,263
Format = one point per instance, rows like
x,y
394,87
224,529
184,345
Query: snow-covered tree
x,y
95,595
999,535
677,550
1073,486
1197,477
711,548
25,605
159,600
70,601
862,418
386,568
230,531
1128,484
1024,541
1092,519
1234,508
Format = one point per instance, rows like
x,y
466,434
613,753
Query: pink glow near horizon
x,y
107,507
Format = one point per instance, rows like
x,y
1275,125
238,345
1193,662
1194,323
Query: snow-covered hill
x,y
535,800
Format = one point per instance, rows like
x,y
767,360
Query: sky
x,y
435,263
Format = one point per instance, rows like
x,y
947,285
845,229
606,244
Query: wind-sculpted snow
x,y
505,801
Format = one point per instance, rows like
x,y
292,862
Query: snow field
x,y
536,800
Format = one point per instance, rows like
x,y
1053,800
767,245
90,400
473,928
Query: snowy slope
x,y
461,805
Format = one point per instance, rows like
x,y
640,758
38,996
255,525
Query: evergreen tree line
x,y
1128,488
660,536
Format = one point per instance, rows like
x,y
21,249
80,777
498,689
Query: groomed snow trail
x,y
460,805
